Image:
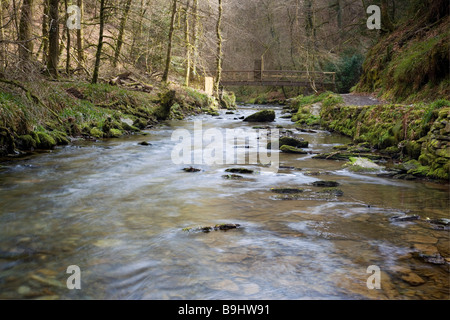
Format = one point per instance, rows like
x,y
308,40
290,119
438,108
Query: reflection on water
x,y
117,209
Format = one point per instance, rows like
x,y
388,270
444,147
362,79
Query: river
x,y
117,209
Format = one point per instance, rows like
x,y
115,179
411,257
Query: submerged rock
x,y
232,177
294,150
333,191
144,143
327,184
191,169
286,190
239,170
217,227
405,218
413,279
338,155
262,116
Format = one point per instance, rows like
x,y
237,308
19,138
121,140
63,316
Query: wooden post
x,y
258,70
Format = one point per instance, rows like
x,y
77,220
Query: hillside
x,y
412,63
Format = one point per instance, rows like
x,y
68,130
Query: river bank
x,y
416,136
57,113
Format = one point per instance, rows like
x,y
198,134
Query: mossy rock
x,y
96,133
60,137
140,123
262,116
129,128
115,133
27,142
46,141
288,141
413,149
293,150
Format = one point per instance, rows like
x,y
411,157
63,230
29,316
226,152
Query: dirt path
x,y
359,100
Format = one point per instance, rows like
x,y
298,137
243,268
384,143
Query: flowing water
x,y
117,210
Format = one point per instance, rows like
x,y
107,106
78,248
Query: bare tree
x,y
165,76
25,41
53,50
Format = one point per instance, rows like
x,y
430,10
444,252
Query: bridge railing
x,y
276,76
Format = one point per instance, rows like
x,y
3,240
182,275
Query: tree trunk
x,y
195,38
2,45
123,22
80,45
98,55
53,51
45,19
68,40
219,51
385,17
187,44
165,76
25,43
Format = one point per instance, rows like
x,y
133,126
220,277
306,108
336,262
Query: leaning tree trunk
x,y
25,43
98,55
53,50
165,76
219,51
123,22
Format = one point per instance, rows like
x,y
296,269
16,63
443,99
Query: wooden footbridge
x,y
275,78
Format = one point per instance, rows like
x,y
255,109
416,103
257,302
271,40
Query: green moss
x,y
288,141
45,141
96,133
27,142
115,133
290,149
60,137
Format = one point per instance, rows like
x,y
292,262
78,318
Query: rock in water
x,y
327,184
262,116
191,169
288,141
289,149
239,170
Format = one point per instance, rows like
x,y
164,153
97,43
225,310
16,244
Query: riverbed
x,y
117,210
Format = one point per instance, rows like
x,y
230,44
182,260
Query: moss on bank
x,y
419,132
84,110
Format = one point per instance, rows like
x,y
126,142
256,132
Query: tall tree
x,y
123,22
187,43
98,55
2,37
195,36
68,39
219,50
45,20
53,49
25,42
80,45
165,76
